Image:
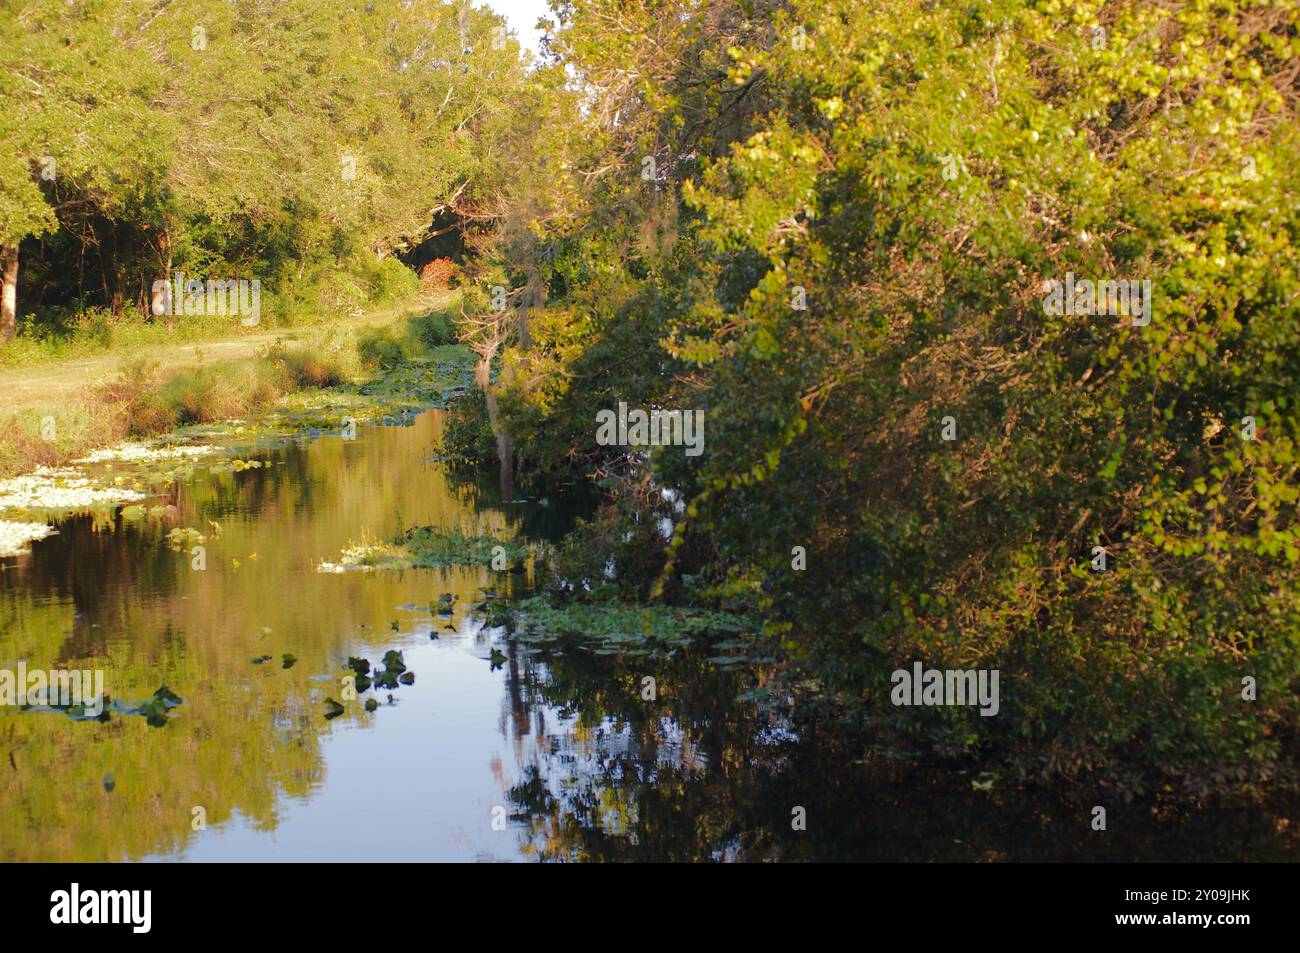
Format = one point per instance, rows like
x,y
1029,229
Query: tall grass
x,y
381,348
146,400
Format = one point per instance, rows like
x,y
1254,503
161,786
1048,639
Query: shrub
x,y
467,439
311,366
378,348
135,393
434,329
390,281
436,275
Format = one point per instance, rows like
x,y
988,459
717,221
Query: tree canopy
x,y
833,227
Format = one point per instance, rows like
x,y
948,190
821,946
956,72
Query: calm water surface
x,y
555,758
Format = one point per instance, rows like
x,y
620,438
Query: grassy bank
x,y
365,292
150,395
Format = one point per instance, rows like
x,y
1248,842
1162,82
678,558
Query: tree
x,y
290,142
841,254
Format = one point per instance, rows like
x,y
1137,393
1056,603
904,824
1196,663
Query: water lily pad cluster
x,y
388,676
494,612
616,628
393,398
146,452
183,537
15,535
430,547
129,474
62,489
153,709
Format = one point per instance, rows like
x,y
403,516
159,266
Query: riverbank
x,y
60,412
120,442
519,713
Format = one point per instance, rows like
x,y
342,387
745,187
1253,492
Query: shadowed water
x,y
537,757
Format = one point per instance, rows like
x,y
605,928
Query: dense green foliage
x,y
916,172
301,144
830,226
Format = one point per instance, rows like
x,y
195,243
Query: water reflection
x,y
249,739
554,755
699,775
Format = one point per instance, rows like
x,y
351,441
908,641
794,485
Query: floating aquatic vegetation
x,y
390,676
494,613
608,628
427,547
288,661
131,472
366,557
156,708
392,398
61,489
147,453
394,670
15,536
182,538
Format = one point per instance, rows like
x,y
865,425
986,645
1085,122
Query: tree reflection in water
x,y
701,774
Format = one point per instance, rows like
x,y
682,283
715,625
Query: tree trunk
x,y
9,295
167,274
533,297
505,445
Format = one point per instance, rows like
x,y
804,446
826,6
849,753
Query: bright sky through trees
x,y
522,16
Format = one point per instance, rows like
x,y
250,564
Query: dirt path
x,y
23,385
51,381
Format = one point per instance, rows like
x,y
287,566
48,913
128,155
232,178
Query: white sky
x,y
522,15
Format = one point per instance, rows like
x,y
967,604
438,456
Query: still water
x,y
553,758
